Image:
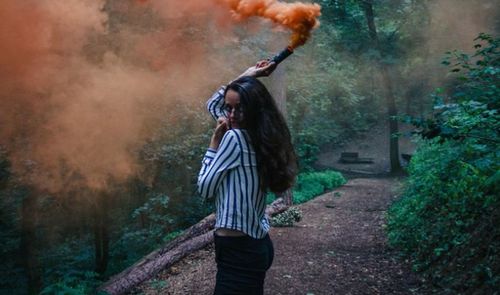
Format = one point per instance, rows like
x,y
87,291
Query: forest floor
x,y
339,247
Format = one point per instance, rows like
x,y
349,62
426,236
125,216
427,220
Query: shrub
x,y
312,184
287,218
447,220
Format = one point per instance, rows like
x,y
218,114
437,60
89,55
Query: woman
x,y
250,153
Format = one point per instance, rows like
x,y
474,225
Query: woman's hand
x,y
218,133
263,68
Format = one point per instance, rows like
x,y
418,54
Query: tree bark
x,y
393,123
28,243
278,91
101,235
278,88
194,238
387,81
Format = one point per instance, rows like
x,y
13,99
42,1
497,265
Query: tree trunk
x,y
421,102
278,88
387,81
278,91
393,123
194,238
28,243
101,235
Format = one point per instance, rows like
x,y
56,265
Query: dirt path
x,y
338,248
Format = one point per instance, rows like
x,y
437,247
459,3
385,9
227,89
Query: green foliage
x,y
73,283
471,110
447,220
154,210
287,218
312,184
152,231
134,243
67,268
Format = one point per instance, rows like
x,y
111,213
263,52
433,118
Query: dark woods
x,y
369,64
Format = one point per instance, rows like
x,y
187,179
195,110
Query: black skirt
x,y
242,263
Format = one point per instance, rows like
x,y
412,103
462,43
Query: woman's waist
x,y
234,228
226,232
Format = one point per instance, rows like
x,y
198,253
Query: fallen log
x,y
194,238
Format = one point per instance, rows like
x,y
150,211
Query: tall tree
x,y
28,240
392,112
101,234
278,91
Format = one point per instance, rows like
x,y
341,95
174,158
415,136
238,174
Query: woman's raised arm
x,y
215,104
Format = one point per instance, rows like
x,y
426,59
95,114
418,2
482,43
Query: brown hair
x,y
269,135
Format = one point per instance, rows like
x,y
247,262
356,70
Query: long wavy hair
x,y
269,135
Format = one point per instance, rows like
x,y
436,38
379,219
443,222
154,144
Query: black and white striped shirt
x,y
230,175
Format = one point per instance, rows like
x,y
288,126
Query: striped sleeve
x,y
215,104
216,164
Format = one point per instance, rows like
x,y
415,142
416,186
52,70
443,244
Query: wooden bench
x,y
353,158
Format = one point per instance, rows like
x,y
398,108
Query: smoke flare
x,y
299,17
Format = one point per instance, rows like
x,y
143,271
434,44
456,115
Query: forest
x,y
103,126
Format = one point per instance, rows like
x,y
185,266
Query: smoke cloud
x,y
299,17
452,24
85,83
81,80
63,116
455,23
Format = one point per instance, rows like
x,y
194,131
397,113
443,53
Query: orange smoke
x,y
84,85
301,18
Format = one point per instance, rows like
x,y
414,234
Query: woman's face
x,y
233,108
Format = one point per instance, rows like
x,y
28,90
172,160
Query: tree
x,y
101,233
388,84
28,242
451,233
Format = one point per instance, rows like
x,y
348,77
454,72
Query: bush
x,y
287,218
447,220
312,184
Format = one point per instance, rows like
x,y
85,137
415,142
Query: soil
x,y
339,247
